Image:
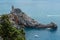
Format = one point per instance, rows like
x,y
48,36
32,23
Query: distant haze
x,y
31,7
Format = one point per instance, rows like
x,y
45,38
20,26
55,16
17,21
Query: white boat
x,y
36,35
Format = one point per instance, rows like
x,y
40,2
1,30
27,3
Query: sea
x,y
43,11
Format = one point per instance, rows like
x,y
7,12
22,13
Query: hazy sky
x,y
31,7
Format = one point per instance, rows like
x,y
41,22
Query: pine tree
x,y
8,32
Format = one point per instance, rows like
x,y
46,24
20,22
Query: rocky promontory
x,y
18,18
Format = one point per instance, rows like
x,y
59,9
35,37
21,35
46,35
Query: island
x,y
19,18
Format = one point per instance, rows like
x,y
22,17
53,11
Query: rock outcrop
x,y
20,18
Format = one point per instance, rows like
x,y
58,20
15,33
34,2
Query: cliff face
x,y
20,18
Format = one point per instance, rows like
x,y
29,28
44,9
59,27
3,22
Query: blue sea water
x,y
43,11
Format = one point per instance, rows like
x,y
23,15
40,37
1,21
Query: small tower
x,y
12,8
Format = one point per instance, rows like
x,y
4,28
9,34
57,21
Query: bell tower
x,y
12,8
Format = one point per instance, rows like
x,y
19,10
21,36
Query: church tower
x,y
12,8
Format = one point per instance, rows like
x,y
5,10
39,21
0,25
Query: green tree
x,y
8,32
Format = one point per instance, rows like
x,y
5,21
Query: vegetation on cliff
x,y
9,32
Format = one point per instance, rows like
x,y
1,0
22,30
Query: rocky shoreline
x,y
18,18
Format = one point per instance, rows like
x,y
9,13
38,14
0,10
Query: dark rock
x,y
17,10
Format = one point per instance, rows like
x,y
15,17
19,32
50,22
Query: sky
x,y
31,7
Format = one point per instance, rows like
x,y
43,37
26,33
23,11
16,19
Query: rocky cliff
x,y
20,18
